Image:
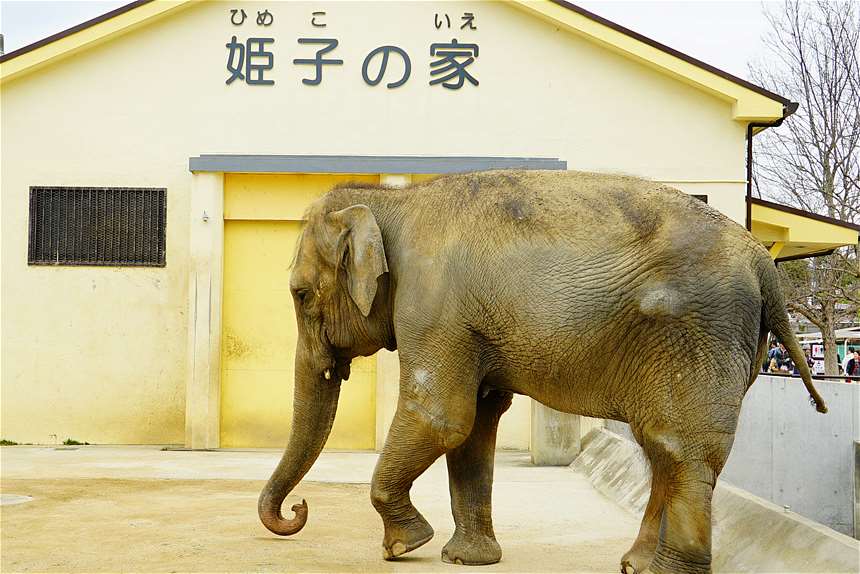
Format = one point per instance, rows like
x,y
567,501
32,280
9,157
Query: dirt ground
x,y
179,525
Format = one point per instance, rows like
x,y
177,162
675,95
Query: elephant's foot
x,y
670,561
400,539
471,550
638,558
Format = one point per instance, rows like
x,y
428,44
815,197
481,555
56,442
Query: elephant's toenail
x,y
398,548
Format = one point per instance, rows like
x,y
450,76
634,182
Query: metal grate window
x,y
115,226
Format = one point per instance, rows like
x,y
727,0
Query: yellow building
x,y
156,163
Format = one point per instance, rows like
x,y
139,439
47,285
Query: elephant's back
x,y
604,243
583,210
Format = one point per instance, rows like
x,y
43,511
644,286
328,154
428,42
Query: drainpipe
x,y
788,109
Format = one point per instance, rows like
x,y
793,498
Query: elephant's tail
x,y
775,319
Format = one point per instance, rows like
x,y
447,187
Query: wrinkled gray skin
x,y
534,283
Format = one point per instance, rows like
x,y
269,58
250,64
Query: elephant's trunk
x,y
315,405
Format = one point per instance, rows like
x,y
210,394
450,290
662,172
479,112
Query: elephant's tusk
x,y
327,374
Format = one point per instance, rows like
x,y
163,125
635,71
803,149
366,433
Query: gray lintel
x,y
361,164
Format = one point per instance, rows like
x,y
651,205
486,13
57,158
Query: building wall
x,y
99,354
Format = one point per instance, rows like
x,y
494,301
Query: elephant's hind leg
x,y
640,555
689,463
470,478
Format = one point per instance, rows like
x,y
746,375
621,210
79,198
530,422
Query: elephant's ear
x,y
360,250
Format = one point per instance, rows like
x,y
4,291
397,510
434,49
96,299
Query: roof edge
x,y
69,31
788,105
802,213
677,53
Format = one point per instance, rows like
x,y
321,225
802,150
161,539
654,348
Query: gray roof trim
x,y
363,163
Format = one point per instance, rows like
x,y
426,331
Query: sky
x,y
726,34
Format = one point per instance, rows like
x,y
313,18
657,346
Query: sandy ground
x,y
101,509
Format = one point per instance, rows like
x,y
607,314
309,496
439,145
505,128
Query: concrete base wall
x,y
857,490
749,534
555,436
787,453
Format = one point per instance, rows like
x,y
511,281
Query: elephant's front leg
x,y
432,417
470,476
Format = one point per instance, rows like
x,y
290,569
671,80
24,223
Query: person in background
x,y
777,353
782,356
848,356
852,367
765,367
773,366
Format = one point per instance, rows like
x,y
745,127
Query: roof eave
x,y
750,103
789,109
802,213
34,56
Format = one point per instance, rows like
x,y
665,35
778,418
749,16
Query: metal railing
x,y
814,377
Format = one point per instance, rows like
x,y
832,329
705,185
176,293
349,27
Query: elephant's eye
x,y
301,294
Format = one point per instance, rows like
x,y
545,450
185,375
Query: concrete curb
x,y
750,534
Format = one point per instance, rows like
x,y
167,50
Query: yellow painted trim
x,y
768,233
804,229
776,248
747,105
790,234
89,37
262,196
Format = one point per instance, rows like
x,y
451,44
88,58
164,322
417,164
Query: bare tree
x,y
824,290
812,160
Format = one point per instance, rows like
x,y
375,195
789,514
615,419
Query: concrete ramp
x,y
750,534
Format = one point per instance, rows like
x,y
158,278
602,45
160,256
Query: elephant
x,y
525,282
